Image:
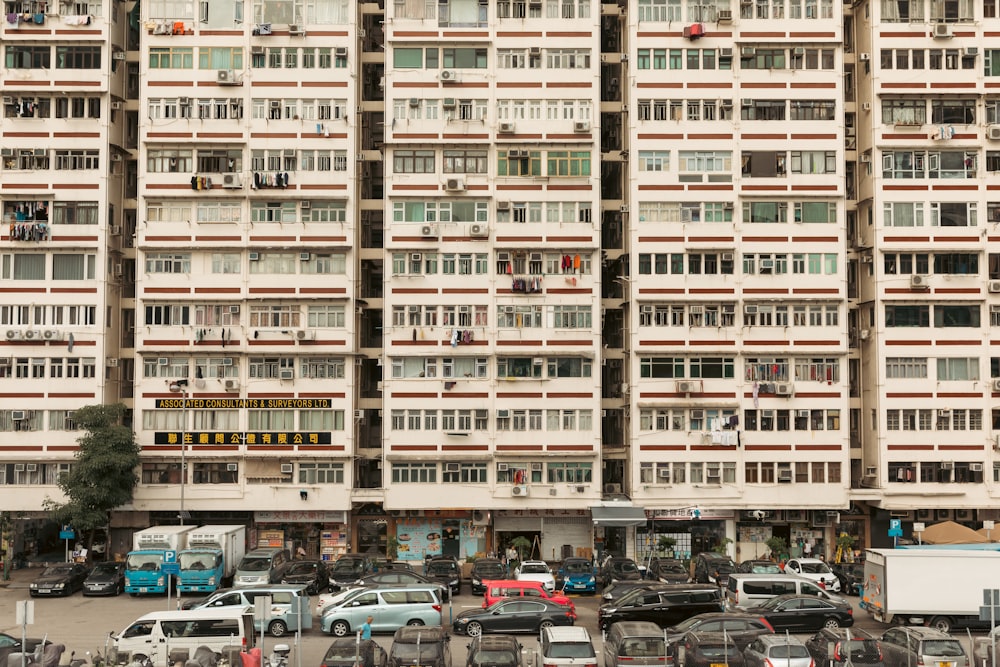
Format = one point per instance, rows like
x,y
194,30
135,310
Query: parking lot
x,y
83,623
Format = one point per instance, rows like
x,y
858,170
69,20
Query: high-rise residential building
x,y
431,276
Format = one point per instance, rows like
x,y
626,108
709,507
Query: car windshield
x,y
642,647
255,564
342,652
765,568
346,567
417,654
143,562
501,658
534,568
486,570
442,567
789,651
943,647
57,570
570,650
721,652
672,568
301,568
197,561
816,568
577,567
624,566
105,568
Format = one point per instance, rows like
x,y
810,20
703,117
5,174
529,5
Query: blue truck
x,y
211,557
144,564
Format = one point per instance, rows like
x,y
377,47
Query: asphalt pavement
x,y
82,623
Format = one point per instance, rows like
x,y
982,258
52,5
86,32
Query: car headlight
x,y
128,582
34,586
161,581
591,580
453,582
461,620
59,586
211,581
477,582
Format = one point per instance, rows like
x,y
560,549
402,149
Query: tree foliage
x,y
103,476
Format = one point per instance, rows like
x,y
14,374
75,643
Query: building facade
x,y
459,272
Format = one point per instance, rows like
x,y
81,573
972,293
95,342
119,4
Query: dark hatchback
x,y
667,570
349,652
844,648
708,649
446,572
805,613
486,569
63,579
494,651
105,579
663,604
619,569
312,573
513,615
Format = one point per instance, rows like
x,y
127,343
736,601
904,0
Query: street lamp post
x,y
181,387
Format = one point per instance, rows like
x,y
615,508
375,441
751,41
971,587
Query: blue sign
x,y
169,557
895,528
67,534
173,568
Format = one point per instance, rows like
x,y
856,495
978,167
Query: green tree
x,y
103,476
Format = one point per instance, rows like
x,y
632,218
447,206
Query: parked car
x,y
619,569
759,567
565,647
664,604
391,607
485,569
10,644
709,567
615,591
667,570
347,569
536,570
805,613
845,648
576,575
708,649
815,569
421,647
312,573
904,646
850,575
349,652
508,588
513,615
446,571
494,651
635,644
62,579
380,564
106,578
742,627
784,650
327,600
402,578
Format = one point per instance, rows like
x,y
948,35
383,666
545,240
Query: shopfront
x,y
548,534
321,534
691,535
422,534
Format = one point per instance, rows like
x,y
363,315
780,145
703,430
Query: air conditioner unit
x,y
18,467
227,361
52,334
226,77
254,257
304,334
519,490
747,102
993,132
256,50
13,334
918,280
784,389
452,467
359,415
535,52
414,102
785,476
448,103
802,414
112,362
32,334
996,384
232,467
975,467
944,413
18,415
518,155
799,51
448,75
943,31
117,106
480,518
506,128
503,414
664,473
864,57
727,256
286,374
479,231
454,185
725,16
234,310
296,29
287,468
866,106
118,270
305,256
726,52
162,29
503,205
340,52
972,51
581,126
232,181
612,488
688,386
947,465
429,231
866,158
748,51
231,385
865,334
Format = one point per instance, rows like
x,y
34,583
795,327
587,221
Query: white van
x,y
744,591
166,637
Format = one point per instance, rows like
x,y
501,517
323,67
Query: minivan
x,y
390,608
160,635
744,591
562,646
635,644
664,604
289,605
261,566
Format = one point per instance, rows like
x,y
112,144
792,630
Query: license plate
x,y
718,664
43,591
143,589
579,585
946,664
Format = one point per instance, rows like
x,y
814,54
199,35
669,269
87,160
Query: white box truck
x,y
942,588
211,557
143,566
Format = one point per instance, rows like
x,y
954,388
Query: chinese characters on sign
x,y
241,438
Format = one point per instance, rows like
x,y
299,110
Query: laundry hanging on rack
x,y
526,284
29,231
270,180
201,183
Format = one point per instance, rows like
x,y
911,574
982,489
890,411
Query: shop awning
x,y
617,517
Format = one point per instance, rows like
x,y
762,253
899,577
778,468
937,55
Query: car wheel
x,y
545,624
340,629
414,622
941,624
277,628
474,629
831,623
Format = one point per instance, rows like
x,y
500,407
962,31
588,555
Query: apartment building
x,y
589,273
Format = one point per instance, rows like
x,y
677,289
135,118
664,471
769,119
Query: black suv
x,y
494,651
664,604
486,569
709,567
348,569
667,570
619,569
446,571
420,645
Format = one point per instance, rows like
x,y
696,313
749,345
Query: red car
x,y
512,588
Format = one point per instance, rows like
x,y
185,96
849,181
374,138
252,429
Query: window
x,y
73,267
956,316
321,472
957,368
905,367
78,57
215,473
18,56
176,57
907,316
464,473
414,473
569,472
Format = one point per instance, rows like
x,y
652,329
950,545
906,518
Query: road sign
x,y
895,528
990,610
24,612
172,569
170,556
67,534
